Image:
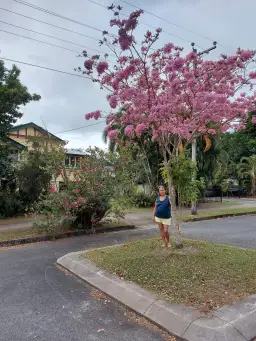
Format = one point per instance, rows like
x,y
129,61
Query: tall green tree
x,y
13,95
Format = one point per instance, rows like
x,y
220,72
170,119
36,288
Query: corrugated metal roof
x,y
75,152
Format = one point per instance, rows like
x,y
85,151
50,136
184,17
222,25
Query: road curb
x,y
29,240
231,323
220,216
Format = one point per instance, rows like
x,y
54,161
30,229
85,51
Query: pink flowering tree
x,y
172,96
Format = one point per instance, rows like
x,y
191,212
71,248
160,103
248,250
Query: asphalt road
x,y
41,302
237,231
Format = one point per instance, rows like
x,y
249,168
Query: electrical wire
x,y
87,126
44,67
25,3
44,42
168,21
146,24
47,23
40,41
47,35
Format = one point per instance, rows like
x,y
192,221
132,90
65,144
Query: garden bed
x,y
203,275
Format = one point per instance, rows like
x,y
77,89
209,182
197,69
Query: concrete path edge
x,y
39,239
232,323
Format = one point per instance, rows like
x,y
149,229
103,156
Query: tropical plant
x,y
247,168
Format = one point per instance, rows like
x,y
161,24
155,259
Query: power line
x,y
39,41
47,35
87,126
45,68
59,71
143,23
46,23
166,20
56,14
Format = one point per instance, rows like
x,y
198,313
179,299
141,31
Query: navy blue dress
x,y
163,208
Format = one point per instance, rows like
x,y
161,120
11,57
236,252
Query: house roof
x,y
33,125
17,144
75,152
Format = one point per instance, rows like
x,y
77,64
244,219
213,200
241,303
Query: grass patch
x,y
31,232
203,275
218,204
216,213
18,220
18,234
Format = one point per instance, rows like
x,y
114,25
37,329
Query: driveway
x,y
41,302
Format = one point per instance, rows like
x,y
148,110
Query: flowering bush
x,y
89,196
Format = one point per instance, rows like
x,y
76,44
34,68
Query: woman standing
x,y
162,216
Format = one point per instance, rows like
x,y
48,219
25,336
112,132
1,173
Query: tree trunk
x,y
176,222
252,182
176,219
194,204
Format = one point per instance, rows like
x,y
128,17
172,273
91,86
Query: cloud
x,y
66,99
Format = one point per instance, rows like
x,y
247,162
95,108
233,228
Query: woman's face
x,y
162,192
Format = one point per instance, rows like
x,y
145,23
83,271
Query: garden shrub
x,y
141,199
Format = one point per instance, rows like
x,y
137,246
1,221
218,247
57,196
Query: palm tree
x,y
247,167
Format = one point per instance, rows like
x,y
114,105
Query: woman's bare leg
x,y
167,236
162,234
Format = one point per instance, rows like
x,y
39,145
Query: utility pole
x,y
193,144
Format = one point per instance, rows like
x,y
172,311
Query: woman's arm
x,y
154,212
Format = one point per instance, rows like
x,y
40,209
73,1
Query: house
x,y
19,136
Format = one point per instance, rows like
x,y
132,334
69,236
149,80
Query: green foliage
x,y
37,168
10,204
89,197
13,94
142,200
144,152
247,171
182,172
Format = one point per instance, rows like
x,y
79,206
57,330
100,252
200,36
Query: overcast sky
x,y
66,99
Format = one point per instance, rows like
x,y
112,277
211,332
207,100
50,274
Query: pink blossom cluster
x,y
94,114
102,67
169,94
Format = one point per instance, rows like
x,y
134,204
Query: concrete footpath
x,y
232,323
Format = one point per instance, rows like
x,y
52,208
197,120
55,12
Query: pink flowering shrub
x,y
88,196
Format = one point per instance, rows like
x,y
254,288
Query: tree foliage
x,y
13,95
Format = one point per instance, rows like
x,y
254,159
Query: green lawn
x,y
18,234
216,213
18,220
30,232
203,275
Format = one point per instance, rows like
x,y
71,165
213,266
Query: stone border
x,y
29,240
232,323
